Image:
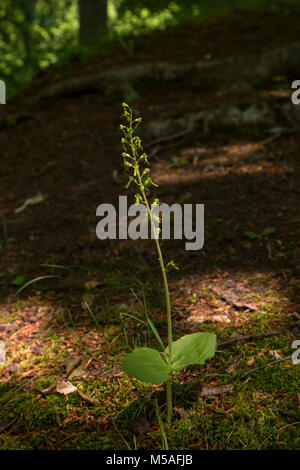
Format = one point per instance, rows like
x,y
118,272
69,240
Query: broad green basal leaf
x,y
147,365
192,349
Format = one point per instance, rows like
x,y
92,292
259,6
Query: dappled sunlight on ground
x,y
229,298
200,163
245,280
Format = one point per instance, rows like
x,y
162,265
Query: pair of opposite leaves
x,y
148,365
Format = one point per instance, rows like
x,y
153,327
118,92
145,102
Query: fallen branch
x,y
262,117
234,74
5,427
231,366
266,365
229,75
253,336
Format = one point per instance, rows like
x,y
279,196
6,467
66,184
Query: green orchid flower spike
x,y
147,364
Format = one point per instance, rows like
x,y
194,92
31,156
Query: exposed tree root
x,y
262,117
232,74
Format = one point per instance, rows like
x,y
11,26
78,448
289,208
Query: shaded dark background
x,y
35,34
222,132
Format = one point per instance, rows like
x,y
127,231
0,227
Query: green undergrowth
x,y
261,411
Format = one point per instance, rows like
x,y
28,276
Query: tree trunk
x,y
28,8
93,21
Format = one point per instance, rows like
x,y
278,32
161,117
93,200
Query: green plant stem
x,y
165,281
169,402
168,309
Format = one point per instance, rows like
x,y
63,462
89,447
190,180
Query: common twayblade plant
x,y
148,364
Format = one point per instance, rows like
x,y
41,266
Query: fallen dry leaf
x,y
212,391
91,285
250,361
38,350
182,413
29,202
65,387
275,354
7,327
13,368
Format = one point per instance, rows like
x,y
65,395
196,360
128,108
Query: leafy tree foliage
x,y
33,34
37,33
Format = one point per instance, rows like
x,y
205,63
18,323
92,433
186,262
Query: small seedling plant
x,y
147,364
264,235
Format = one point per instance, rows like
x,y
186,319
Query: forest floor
x,y
243,282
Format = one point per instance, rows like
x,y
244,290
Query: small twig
x,y
77,364
268,140
93,401
58,420
255,335
40,392
49,390
17,389
231,366
159,149
287,116
285,413
266,365
288,425
7,426
280,429
106,372
280,133
236,361
167,138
